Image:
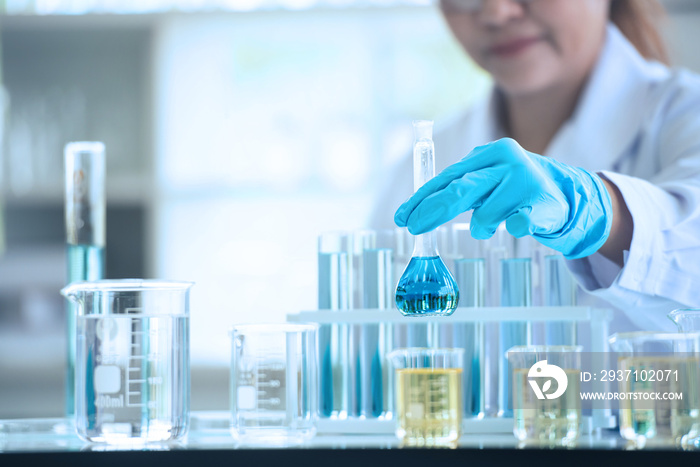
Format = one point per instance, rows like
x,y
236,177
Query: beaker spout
x,y
73,292
687,320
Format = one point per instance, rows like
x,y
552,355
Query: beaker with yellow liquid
x,y
428,396
658,388
546,394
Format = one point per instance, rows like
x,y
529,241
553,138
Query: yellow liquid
x,y
663,421
429,406
554,422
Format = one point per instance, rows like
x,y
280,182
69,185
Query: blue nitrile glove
x,y
563,207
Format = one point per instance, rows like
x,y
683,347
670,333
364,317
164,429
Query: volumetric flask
x,y
426,287
132,372
273,383
428,396
546,394
659,374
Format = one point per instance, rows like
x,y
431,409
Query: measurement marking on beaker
x,y
104,401
272,401
132,381
272,383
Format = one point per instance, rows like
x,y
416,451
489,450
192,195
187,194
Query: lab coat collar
x,y
610,112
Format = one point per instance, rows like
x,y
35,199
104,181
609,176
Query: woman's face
x,y
530,45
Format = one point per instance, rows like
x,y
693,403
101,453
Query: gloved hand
x,y
563,207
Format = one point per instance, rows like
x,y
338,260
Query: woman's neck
x,y
534,119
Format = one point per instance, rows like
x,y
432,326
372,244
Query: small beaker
x,y
428,396
659,378
274,393
546,394
132,372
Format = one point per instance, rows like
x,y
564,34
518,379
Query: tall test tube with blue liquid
x,y
85,233
426,287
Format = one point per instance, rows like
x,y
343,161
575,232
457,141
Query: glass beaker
x,y
274,393
546,393
426,286
660,374
428,396
132,372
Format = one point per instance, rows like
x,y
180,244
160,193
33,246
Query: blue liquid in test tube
x,y
516,290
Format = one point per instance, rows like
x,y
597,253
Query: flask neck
x,y
425,245
423,170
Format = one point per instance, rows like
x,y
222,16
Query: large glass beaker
x,y
132,372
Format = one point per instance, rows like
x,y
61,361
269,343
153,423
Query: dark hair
x,y
639,21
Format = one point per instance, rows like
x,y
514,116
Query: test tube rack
x,y
596,319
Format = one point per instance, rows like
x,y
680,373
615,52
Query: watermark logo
x,y
541,370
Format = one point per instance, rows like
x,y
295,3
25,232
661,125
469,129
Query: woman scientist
x,y
587,143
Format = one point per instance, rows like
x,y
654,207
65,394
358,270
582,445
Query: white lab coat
x,y
637,122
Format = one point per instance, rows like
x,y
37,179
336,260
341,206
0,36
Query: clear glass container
x,y
546,394
274,386
660,379
132,373
428,396
426,287
85,232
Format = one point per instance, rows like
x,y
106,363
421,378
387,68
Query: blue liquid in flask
x,y
427,288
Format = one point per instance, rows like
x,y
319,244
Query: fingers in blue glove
x,y
452,173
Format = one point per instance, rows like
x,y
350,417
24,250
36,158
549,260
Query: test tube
x,y
377,339
470,274
333,339
495,249
85,233
559,290
516,290
360,241
402,250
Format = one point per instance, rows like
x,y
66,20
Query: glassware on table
x,y
470,275
132,373
85,232
376,340
559,290
516,290
428,396
335,274
274,392
546,394
426,287
656,367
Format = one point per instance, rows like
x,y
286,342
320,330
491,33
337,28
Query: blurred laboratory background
x,y
236,132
